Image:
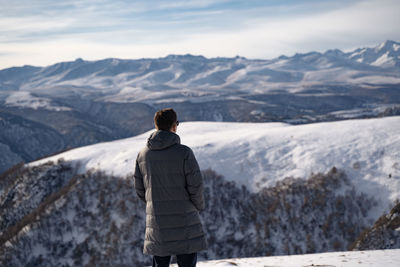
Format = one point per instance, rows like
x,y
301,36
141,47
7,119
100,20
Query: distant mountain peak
x,y
384,55
388,46
186,56
334,52
79,60
312,53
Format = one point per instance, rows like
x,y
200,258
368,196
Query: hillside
x,y
51,216
257,155
83,102
326,183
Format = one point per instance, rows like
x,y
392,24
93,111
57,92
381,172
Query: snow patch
x,y
26,100
383,60
376,80
362,51
372,258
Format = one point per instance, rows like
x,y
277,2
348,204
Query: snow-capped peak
x,y
384,55
387,46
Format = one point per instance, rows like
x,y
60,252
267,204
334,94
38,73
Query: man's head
x,y
166,120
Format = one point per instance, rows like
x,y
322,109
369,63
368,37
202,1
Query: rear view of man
x,y
168,180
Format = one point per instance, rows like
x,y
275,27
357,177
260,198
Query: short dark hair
x,y
164,119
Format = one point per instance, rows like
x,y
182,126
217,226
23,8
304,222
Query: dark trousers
x,y
184,260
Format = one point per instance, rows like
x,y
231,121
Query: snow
x,y
379,47
259,154
331,75
25,99
376,80
155,81
236,76
367,110
358,52
372,258
385,59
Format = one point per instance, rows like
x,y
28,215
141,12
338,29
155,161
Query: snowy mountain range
x,y
271,189
46,109
198,79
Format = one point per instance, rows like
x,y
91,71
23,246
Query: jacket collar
x,y
160,140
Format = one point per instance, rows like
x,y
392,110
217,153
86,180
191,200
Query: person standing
x,y
168,179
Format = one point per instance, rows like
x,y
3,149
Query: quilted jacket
x,y
168,179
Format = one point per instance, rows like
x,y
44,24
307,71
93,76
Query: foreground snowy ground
x,y
373,258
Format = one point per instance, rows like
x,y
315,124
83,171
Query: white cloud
x,y
364,23
189,4
68,37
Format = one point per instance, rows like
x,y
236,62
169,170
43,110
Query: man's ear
x,y
173,128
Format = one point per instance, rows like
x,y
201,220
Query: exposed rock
x,y
384,234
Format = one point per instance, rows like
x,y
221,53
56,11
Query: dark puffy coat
x,y
168,179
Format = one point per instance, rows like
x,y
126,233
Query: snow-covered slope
x,y
372,258
260,154
386,55
196,78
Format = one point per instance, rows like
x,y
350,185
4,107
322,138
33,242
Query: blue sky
x,y
43,32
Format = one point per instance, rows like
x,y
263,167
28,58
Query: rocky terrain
x,y
384,234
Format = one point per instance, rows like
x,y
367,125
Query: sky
x,y
44,32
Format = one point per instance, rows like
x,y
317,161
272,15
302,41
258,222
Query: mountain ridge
x,y
92,101
387,44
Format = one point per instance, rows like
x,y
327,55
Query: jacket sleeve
x,y
194,181
139,186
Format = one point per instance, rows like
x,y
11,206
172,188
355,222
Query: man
x,y
168,180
